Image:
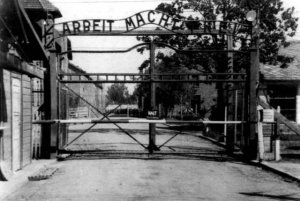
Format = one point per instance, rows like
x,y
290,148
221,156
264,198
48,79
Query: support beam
x,y
153,78
251,143
152,126
49,132
53,96
229,136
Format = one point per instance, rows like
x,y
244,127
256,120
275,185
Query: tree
x,y
167,94
170,94
117,94
275,23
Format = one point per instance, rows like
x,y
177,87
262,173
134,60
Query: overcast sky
x,y
110,9
105,9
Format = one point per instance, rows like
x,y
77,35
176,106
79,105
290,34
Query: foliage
x,y
118,94
167,94
170,94
275,23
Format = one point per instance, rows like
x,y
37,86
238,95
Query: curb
x,y
276,170
263,165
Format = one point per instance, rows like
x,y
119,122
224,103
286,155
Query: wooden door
x,y
16,123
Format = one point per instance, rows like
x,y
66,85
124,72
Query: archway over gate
x,y
167,25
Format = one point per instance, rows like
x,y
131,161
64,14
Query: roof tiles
x,y
43,5
291,73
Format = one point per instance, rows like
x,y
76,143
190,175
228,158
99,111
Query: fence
x,y
281,138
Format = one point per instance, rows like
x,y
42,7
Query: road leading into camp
x,y
208,174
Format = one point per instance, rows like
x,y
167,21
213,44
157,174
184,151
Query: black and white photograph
x,y
149,100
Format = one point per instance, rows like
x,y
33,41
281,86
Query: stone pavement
x,y
152,180
20,178
289,169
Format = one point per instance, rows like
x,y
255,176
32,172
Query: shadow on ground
x,y
184,153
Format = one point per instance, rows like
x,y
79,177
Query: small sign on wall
x,y
268,115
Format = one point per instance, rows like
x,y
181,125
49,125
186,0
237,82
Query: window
x,y
284,97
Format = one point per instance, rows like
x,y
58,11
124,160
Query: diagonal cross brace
x,y
81,134
105,116
167,141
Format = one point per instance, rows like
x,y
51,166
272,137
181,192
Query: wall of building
x,y
17,119
7,118
92,93
19,53
26,120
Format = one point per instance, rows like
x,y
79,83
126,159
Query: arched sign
x,y
164,25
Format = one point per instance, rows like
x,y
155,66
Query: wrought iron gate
x,y
241,86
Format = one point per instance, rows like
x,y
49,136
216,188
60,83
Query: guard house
x,y
281,84
23,63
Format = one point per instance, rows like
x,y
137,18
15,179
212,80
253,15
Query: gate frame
x,y
251,139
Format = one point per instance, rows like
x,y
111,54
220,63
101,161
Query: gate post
x,y
49,131
152,126
251,145
53,99
229,136
251,140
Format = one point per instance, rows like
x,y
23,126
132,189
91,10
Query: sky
x,y
105,9
114,9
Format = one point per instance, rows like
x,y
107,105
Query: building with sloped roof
x,y
24,61
281,85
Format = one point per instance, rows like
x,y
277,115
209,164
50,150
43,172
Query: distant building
x,y
90,94
281,85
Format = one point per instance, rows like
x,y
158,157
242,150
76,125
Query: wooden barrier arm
x,y
125,121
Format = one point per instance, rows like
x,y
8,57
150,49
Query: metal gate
x,y
238,124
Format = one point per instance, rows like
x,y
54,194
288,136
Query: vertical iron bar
x,y
229,135
235,114
58,137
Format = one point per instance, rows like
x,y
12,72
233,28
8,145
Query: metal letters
x,y
144,18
